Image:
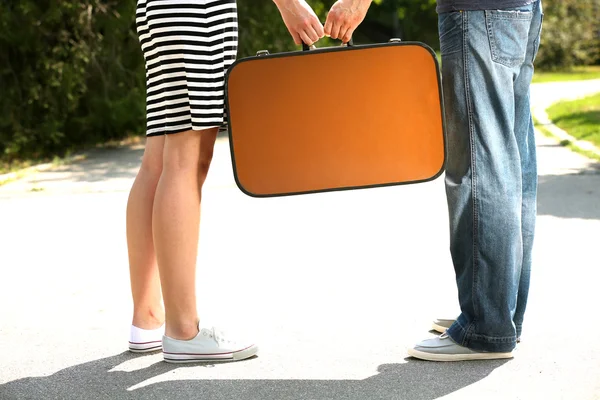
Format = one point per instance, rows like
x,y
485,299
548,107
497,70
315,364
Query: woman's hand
x,y
301,21
344,17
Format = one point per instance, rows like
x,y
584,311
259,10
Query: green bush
x,y
570,34
71,73
261,26
409,20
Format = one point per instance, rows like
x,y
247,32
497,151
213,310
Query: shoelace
x,y
443,335
217,336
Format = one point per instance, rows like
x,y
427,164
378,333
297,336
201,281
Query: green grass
x,y
580,118
581,151
19,166
18,175
566,143
577,74
23,169
15,166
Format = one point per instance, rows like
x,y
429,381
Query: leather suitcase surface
x,y
335,119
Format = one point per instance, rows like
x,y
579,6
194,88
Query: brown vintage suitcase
x,y
335,118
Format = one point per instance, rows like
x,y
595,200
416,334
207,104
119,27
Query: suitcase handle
x,y
306,47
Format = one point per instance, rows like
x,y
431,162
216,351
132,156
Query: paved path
x,y
544,95
334,287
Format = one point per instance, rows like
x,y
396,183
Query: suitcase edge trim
x,y
320,51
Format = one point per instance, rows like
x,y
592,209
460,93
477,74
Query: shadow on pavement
x,y
413,380
575,195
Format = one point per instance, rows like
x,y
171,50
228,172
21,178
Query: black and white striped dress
x,y
188,46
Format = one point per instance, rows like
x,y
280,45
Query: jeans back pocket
x,y
508,33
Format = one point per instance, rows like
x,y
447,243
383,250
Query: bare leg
x,y
148,312
175,226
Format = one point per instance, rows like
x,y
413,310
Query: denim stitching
x,y
464,333
511,14
536,42
473,166
490,32
490,17
493,339
468,334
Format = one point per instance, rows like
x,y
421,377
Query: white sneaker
x,y
210,345
145,340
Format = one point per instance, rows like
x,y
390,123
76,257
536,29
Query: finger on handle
x,y
343,32
347,36
318,29
296,37
328,26
335,30
312,34
306,38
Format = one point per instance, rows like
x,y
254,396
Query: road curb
x,y
544,95
557,133
15,175
24,172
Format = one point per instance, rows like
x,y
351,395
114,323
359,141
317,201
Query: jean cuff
x,y
462,333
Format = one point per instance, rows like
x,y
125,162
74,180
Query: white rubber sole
x,y
182,358
145,347
436,326
457,357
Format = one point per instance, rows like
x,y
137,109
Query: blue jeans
x,y
491,174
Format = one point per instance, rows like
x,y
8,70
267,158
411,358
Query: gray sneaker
x,y
443,348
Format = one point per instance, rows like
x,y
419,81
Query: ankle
x,y
148,319
182,330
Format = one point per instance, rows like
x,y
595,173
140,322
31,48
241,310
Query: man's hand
x,y
301,21
344,17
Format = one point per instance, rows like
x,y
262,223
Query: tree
x,y
71,73
409,20
570,34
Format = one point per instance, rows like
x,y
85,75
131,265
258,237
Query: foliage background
x,y
72,74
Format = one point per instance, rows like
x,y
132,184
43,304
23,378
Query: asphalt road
x,y
334,287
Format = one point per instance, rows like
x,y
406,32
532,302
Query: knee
x,y
190,166
152,160
189,154
182,159
150,171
